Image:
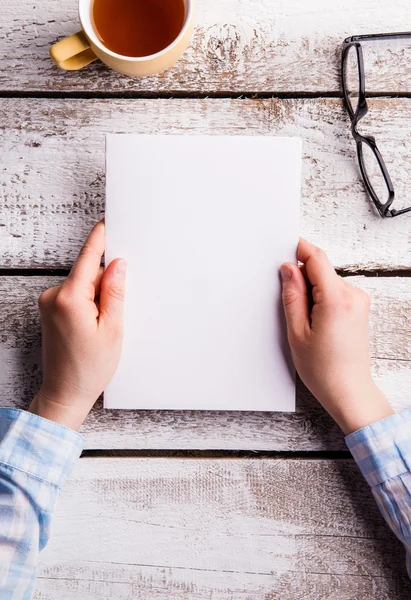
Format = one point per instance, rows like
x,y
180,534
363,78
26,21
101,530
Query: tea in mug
x,y
137,27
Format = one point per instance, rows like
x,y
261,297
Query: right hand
x,y
327,323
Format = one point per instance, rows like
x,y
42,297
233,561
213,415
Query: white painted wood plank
x,y
53,170
307,429
238,46
222,529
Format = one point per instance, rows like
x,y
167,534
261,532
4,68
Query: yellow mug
x,y
82,48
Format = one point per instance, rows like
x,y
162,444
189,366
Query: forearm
x,y
68,412
36,456
366,404
382,450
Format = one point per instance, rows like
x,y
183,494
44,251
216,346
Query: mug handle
x,y
73,52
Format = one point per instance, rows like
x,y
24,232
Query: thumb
x,y
112,292
295,301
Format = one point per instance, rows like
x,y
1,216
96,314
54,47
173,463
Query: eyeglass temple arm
x,y
378,36
395,213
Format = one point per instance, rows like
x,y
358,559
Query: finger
x,y
97,281
318,268
303,271
295,301
47,297
91,290
112,292
87,266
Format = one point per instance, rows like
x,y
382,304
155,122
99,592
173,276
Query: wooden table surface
x,y
201,505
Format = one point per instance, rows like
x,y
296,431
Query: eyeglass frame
x,y
384,208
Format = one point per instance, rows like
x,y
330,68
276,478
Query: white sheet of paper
x,y
204,223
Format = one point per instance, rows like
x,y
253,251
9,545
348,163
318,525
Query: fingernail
x,y
121,269
286,273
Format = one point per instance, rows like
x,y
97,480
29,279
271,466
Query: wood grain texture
x,y
154,529
238,46
307,429
53,170
162,529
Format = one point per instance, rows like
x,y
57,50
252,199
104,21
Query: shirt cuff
x,y
37,446
382,450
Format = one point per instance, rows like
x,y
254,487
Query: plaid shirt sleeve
x,y
36,457
383,453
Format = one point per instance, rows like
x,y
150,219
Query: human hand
x,y
82,327
327,323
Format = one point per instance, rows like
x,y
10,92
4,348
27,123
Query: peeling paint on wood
x,y
221,530
156,529
238,46
52,178
308,429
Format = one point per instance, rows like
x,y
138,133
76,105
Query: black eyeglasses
x,y
373,169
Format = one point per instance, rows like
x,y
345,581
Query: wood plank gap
x,y
45,272
187,95
374,273
42,272
173,94
221,454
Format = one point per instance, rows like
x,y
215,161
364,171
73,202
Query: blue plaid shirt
x,y
36,457
383,453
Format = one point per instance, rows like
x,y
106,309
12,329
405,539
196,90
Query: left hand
x,y
82,326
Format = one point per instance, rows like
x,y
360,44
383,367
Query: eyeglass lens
x,y
352,78
373,172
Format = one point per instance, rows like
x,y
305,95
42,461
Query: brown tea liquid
x,y
137,27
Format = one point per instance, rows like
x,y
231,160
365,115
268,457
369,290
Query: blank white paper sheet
x,y
204,223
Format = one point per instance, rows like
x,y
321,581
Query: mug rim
x,y
86,24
